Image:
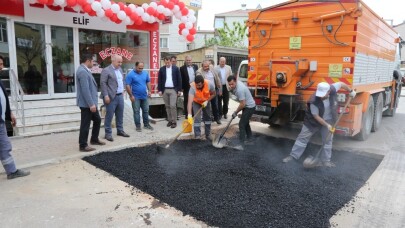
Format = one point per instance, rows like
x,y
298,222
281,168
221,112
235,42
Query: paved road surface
x,y
65,191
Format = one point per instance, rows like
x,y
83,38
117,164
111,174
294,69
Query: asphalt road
x,y
73,193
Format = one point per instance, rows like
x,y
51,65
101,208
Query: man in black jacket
x,y
169,86
5,144
187,72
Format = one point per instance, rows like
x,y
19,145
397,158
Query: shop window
x,y
164,43
3,32
132,46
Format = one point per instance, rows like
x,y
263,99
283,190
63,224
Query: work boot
x,y
18,173
288,159
208,138
329,164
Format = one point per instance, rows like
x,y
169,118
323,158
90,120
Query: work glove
x,y
190,119
352,93
234,115
204,104
331,129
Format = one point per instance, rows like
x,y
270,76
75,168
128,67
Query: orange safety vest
x,y
201,95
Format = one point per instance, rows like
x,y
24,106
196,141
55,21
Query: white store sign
x,y
52,15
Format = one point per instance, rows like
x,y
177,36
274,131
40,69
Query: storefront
x,y
42,45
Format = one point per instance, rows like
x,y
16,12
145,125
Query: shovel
x,y
161,149
219,141
312,162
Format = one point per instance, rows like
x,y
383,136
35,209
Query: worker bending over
x,y
247,105
320,116
201,92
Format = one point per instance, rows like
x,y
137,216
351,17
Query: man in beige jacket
x,y
211,75
224,71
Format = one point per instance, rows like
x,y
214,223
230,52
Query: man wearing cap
x,y
320,116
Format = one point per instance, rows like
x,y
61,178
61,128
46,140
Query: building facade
x,y
42,44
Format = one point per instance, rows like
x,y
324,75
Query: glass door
x,y
31,58
63,75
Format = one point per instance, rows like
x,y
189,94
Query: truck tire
x,y
366,121
378,111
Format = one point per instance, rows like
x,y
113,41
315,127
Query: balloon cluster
x,y
133,14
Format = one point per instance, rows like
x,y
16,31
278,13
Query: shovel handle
x,y
334,126
181,132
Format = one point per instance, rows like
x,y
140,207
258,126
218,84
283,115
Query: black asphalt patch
x,y
251,188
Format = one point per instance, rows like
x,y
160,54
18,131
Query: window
x,y
3,32
164,43
219,22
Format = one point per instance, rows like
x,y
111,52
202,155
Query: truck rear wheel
x,y
378,111
366,121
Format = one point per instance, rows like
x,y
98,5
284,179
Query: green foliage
x,y
230,37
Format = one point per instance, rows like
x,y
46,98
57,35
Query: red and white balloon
x,y
132,14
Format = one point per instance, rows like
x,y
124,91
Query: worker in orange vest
x,y
201,92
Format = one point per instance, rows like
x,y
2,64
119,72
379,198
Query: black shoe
x,y
18,173
169,124
138,129
109,138
98,142
148,127
174,125
218,121
123,134
86,149
225,116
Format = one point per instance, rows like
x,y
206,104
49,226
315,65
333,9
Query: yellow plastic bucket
x,y
187,127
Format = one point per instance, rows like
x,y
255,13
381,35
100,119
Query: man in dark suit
x,y
112,87
187,72
169,86
5,144
87,100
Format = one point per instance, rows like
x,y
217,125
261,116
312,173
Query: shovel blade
x,y
219,142
311,162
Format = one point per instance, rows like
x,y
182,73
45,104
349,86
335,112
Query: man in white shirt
x,y
169,86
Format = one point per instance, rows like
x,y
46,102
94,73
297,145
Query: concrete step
x,y
49,116
52,116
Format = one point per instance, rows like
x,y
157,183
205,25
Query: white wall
x,y
171,31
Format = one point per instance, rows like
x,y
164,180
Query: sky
x,y
387,9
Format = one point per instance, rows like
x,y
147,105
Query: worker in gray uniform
x,y
320,116
247,105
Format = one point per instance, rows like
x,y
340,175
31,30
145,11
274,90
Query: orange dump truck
x,y
295,45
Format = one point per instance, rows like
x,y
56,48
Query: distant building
x,y
202,36
238,16
400,28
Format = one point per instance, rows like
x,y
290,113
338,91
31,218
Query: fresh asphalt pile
x,y
251,188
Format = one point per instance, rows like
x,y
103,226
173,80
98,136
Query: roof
x,y
398,25
235,13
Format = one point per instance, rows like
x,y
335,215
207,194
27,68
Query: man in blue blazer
x,y
112,86
187,72
5,145
169,86
87,100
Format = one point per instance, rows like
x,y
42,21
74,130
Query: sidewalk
x,y
56,148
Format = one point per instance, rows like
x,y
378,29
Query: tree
x,y
230,37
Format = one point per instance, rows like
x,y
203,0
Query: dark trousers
x,y
185,102
86,117
244,126
223,101
214,107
